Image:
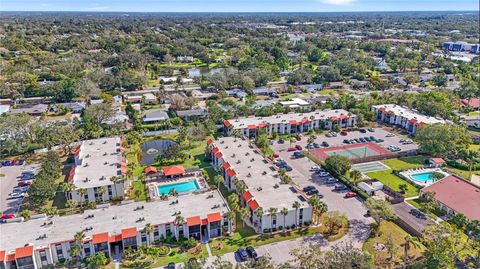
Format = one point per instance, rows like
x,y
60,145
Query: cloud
x,y
338,2
98,8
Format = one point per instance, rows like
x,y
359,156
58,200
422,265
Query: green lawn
x,y
391,180
381,258
239,239
405,163
138,192
179,257
474,147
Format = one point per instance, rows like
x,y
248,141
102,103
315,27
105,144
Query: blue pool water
x,y
422,177
180,187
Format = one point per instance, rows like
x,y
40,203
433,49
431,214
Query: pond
x,y
151,149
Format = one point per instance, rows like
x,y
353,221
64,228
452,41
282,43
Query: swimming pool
x,y
191,185
422,177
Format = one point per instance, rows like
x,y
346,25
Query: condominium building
x,y
461,46
408,119
43,241
99,170
240,161
292,123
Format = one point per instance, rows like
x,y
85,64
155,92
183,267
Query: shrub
x,y
266,230
190,243
307,223
163,250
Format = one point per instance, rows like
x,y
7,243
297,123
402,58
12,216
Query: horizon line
x,y
357,11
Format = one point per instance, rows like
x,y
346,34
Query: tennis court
x,y
356,151
370,167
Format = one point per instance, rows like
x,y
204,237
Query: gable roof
x,y
173,170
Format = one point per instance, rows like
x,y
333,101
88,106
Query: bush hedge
x,y
463,166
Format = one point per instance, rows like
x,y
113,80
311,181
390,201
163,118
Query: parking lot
x,y
334,141
7,183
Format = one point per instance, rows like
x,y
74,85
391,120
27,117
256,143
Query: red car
x,y
291,149
298,147
7,216
275,155
343,133
24,183
350,194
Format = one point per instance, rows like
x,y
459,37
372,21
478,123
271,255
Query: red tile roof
x,y
334,118
10,257
252,126
204,221
226,123
305,120
23,252
247,196
71,174
343,117
262,125
129,232
2,255
472,102
215,150
226,165
293,122
209,141
218,155
115,238
437,160
231,172
193,221
458,194
99,238
151,169
253,204
213,217
173,170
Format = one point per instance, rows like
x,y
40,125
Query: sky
x,y
237,5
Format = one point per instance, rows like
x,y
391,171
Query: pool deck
x,y
408,174
163,181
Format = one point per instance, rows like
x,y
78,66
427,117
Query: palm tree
x,y
67,188
296,205
79,238
259,213
71,204
409,241
272,212
245,214
75,252
284,212
101,191
179,220
217,180
231,216
355,175
233,201
291,139
314,201
173,192
470,157
149,229
82,192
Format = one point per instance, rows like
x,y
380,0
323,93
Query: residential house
x,y
75,107
154,116
194,113
264,91
32,110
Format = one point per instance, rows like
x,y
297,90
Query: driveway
x,y
417,224
6,186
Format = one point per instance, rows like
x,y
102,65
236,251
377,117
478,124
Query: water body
x,y
152,149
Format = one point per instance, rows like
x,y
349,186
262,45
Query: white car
x,y
16,195
314,168
324,174
390,135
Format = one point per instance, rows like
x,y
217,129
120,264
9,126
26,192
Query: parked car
x,y
24,183
314,168
363,131
371,130
362,139
331,180
288,168
344,133
298,147
7,216
346,141
291,149
390,135
367,139
310,146
307,188
299,138
14,162
170,265
379,140
251,252
316,145
298,154
340,187
356,140
16,195
323,174
325,144
242,254
281,141
20,189
350,194
314,192
7,163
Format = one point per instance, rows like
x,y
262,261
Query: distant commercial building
x,y
292,123
408,119
295,103
99,169
241,164
461,46
43,241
